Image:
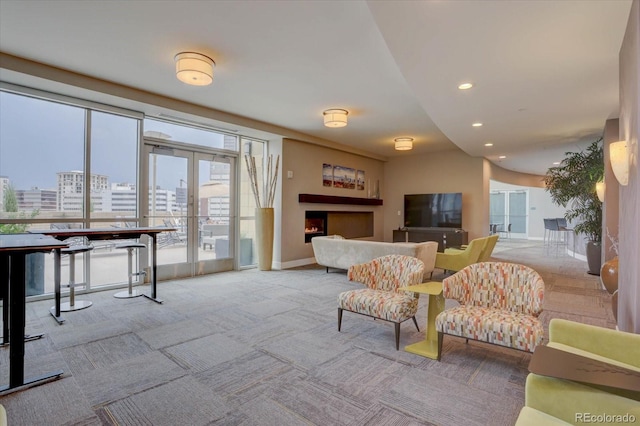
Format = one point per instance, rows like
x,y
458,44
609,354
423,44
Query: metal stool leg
x,y
73,304
130,292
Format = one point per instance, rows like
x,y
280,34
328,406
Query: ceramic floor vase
x,y
264,237
609,275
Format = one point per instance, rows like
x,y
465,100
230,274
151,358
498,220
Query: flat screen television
x,y
433,210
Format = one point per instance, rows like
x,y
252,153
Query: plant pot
x,y
264,237
609,275
594,257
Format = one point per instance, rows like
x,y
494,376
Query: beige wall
x,y
499,174
610,208
305,161
451,171
629,273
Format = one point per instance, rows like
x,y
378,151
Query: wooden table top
x,y
548,361
105,233
28,243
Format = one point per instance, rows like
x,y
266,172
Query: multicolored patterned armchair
x,y
383,297
499,303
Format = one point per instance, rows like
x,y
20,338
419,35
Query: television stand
x,y
455,237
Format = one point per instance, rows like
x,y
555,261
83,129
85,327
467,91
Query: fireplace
x,y
315,224
349,224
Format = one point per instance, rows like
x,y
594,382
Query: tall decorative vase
x,y
264,237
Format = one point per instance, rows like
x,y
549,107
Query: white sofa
x,y
334,251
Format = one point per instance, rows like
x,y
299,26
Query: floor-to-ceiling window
x,y
67,164
247,204
70,163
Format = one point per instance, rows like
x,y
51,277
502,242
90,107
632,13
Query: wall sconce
x,y
403,144
194,68
600,187
335,117
619,157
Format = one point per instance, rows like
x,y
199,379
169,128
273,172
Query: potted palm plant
x,y
572,184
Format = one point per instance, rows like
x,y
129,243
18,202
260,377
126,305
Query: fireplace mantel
x,y
332,199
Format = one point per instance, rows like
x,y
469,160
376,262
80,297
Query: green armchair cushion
x,y
612,346
485,254
455,261
567,400
532,417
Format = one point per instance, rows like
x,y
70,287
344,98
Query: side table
x,y
429,346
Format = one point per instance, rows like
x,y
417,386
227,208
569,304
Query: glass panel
x,y
51,135
247,202
518,212
168,205
497,211
109,264
114,163
213,197
193,135
40,266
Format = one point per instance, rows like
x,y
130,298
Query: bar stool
x,y
130,292
73,304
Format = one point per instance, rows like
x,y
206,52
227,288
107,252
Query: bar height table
x,y
95,234
13,250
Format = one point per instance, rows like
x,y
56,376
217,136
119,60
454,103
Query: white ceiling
x,y
545,72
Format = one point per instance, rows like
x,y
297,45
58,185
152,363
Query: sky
x,y
39,139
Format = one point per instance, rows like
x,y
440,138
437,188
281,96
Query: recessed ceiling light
x,y
478,124
488,144
465,86
502,157
555,163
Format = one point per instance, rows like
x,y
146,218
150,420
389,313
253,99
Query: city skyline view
x,y
28,163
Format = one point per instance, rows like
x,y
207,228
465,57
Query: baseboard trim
x,y
294,263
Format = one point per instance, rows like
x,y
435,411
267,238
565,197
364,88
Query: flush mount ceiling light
x,y
619,156
488,144
502,157
335,117
465,86
478,124
194,68
403,144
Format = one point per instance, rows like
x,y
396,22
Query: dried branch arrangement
x,y
271,179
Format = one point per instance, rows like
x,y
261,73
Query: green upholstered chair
x,y
459,259
485,254
563,399
603,344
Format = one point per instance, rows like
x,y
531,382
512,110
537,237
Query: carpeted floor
x,y
262,348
